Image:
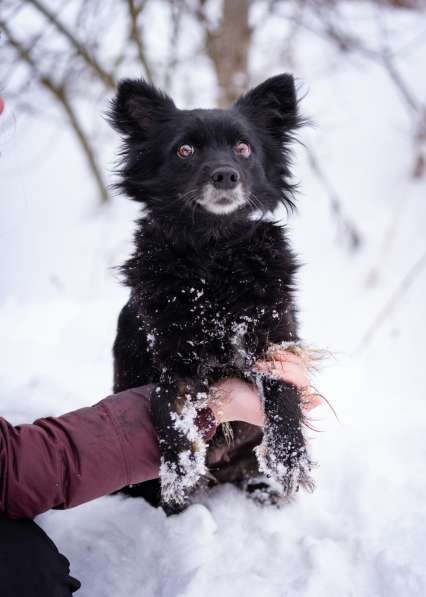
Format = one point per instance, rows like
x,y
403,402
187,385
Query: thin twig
x,y
347,227
393,300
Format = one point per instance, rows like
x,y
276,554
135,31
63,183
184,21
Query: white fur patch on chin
x,y
211,200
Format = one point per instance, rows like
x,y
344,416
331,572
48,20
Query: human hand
x,y
290,365
233,399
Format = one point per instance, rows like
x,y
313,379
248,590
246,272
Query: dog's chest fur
x,y
218,303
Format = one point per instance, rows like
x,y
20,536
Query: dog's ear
x,y
272,105
137,105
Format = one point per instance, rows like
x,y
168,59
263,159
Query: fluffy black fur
x,y
210,292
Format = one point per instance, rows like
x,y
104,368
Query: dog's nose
x,y
225,178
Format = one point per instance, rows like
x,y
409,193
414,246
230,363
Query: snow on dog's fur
x,y
205,271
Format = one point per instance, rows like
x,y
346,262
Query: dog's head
x,y
198,165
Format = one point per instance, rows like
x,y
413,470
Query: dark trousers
x,y
30,564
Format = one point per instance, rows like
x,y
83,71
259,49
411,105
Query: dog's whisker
x,y
188,200
255,202
189,194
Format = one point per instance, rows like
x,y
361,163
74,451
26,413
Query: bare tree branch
x,y
330,28
60,94
135,36
176,11
105,77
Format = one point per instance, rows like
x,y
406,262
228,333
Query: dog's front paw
x,y
183,448
287,465
179,476
283,455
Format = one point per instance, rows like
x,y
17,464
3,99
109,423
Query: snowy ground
x,y
362,532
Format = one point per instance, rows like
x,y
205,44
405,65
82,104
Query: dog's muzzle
x,y
221,201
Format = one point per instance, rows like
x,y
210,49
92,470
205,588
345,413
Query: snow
x,y
362,531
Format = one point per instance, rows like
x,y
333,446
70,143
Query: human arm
x,y
65,461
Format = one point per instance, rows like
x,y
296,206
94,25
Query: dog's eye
x,y
242,149
185,151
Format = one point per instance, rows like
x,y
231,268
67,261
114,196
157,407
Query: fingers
x,y
292,373
291,368
286,355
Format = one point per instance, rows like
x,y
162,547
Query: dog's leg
x,y
183,450
133,367
132,358
283,455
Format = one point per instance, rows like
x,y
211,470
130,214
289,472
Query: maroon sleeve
x,y
66,461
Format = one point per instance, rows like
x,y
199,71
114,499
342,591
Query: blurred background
x,y
360,231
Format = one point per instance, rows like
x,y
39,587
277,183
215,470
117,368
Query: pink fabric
x,y
65,461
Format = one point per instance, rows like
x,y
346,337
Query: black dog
x,y
211,278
